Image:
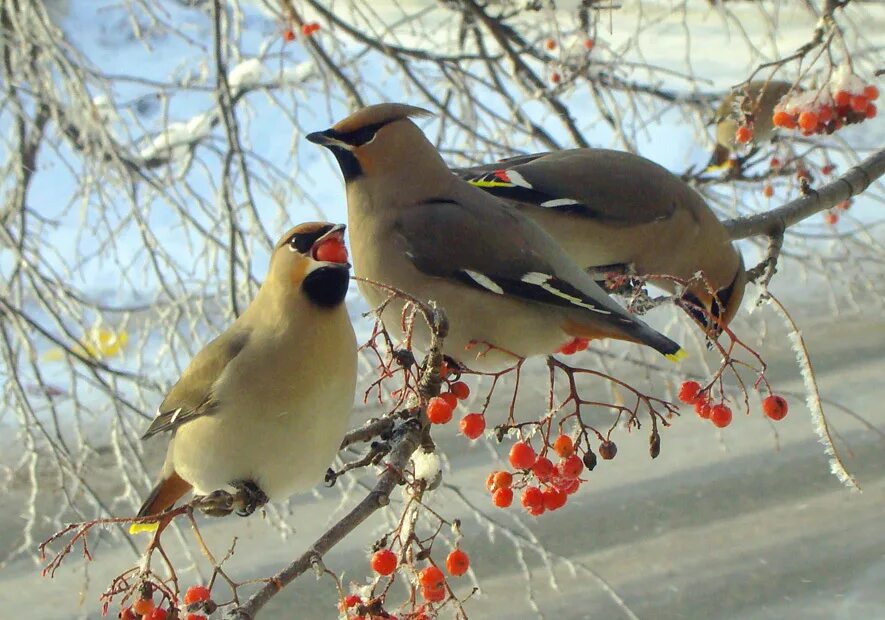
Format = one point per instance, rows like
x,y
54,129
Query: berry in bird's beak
x,y
330,248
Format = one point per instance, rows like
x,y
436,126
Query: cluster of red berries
x,y
691,393
197,598
440,410
575,345
829,110
307,30
431,579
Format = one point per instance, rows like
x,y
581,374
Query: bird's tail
x,y
164,494
633,330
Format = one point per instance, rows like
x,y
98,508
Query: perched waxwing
x,y
262,408
756,102
615,212
508,289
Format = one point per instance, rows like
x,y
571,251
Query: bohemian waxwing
x,y
263,407
755,101
614,212
508,289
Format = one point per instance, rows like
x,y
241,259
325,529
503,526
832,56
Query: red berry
x,y
859,103
842,98
555,77
808,121
775,162
767,190
571,467
450,398
502,497
522,455
564,446
351,601
871,92
831,218
720,415
143,606
439,411
743,134
288,35
460,390
195,617
532,497
870,111
433,595
126,614
689,392
503,479
567,486
608,449
703,409
457,563
569,348
473,425
196,594
828,169
431,577
554,499
589,44
157,613
384,562
550,44
825,114
844,205
542,469
775,407
309,28
783,119
332,251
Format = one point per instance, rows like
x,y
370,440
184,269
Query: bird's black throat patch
x,y
327,286
347,161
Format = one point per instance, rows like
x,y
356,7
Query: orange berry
x,y
783,119
554,499
550,44
808,121
473,425
431,577
457,563
143,606
503,479
768,190
439,411
689,392
831,218
555,77
522,455
842,99
743,134
460,390
450,398
433,595
571,467
608,449
533,500
502,497
309,28
871,92
542,469
126,614
564,446
703,409
157,613
859,103
589,44
720,415
196,594
775,407
288,35
384,562
871,110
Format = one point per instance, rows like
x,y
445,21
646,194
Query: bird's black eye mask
x,y
302,242
358,137
335,141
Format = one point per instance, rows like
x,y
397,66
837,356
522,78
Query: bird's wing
x,y
611,187
492,249
192,395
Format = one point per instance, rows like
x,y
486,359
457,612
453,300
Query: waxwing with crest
x,y
619,213
262,408
508,289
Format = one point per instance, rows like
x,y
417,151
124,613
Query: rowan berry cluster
x,y
845,100
197,601
692,393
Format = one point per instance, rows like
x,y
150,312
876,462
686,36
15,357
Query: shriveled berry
x,y
743,134
439,411
775,407
384,562
457,563
502,497
689,392
460,389
196,594
589,460
554,499
564,446
473,425
542,469
433,595
720,415
522,455
143,606
571,467
608,449
431,577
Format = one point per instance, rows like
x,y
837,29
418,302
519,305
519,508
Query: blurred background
x,y
142,194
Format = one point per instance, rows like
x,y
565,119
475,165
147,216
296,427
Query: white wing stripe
x,y
543,280
484,282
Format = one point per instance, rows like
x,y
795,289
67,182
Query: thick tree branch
x,y
774,222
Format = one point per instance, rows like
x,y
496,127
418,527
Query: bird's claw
x,y
217,504
251,497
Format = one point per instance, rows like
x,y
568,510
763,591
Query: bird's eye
x,y
302,242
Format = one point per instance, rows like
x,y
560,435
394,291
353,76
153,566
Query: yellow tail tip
x,y
138,528
678,356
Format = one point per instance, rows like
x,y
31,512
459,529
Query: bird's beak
x,y
327,139
336,235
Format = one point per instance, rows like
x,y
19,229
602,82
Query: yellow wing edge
x,y
138,528
678,356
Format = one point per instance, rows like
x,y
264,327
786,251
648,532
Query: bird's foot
x,y
217,504
250,495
